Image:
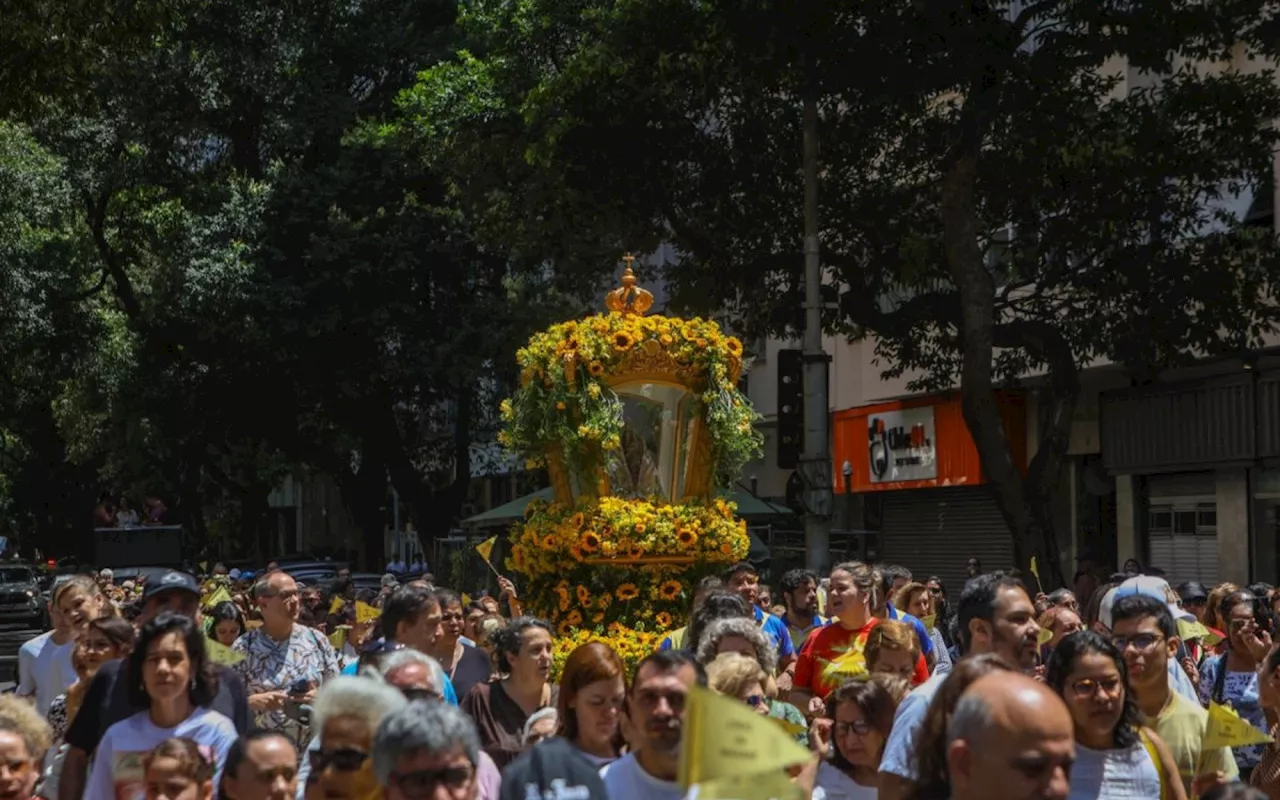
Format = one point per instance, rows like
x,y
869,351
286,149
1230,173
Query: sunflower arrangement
x,y
565,400
608,569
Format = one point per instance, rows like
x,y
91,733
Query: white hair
x,y
435,727
745,627
549,712
399,658
350,696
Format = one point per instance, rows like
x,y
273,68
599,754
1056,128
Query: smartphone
x,y
299,687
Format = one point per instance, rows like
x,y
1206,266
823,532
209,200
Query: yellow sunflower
x,y
564,628
727,549
622,341
574,618
597,617
596,369
549,541
733,345
670,590
604,601
627,591
584,595
686,537
590,542
663,618
560,406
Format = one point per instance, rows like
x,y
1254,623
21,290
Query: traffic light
x,y
790,408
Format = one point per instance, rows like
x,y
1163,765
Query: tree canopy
x,y
1007,189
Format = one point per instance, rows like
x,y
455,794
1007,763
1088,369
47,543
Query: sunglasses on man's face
x,y
381,646
344,759
422,782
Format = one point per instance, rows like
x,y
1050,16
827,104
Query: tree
x,y
996,203
278,283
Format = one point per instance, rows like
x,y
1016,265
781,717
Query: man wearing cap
x,y
107,700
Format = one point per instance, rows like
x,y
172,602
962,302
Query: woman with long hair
x,y
226,623
1116,756
171,684
1232,677
593,688
835,653
851,738
930,756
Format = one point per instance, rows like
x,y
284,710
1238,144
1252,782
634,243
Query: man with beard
x,y
655,712
1143,630
799,589
995,616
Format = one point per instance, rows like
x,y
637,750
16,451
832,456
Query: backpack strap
x,y
1150,747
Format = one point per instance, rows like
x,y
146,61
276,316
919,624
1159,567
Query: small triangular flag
x,y
221,654
366,612
220,595
485,548
1224,728
339,637
336,605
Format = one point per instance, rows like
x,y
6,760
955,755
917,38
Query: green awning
x,y
749,506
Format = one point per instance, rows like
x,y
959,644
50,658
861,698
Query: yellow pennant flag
x,y
1226,729
930,622
204,567
773,785
220,595
485,548
253,624
336,605
366,612
466,600
1035,570
221,654
725,739
789,727
1194,629
339,637
1045,636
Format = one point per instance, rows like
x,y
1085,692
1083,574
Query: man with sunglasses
x,y
429,746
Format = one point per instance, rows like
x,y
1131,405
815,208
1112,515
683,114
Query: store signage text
x,y
902,445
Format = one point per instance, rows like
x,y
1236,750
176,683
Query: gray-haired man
x,y
424,747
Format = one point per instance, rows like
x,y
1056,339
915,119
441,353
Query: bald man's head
x,y
1010,738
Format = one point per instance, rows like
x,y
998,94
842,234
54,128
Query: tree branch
x,y
96,212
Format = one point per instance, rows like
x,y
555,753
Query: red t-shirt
x,y
833,654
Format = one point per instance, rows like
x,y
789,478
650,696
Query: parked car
x,y
21,600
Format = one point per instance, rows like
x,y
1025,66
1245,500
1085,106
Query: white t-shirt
x,y
44,670
117,764
625,780
832,784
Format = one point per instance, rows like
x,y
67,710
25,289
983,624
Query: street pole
x,y
815,461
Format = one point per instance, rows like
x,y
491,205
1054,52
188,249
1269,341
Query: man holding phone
x,y
284,662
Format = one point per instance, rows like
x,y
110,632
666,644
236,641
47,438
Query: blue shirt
x,y
899,749
450,696
777,632
922,633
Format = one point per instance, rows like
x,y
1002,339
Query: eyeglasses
x,y
859,728
345,759
417,693
381,646
755,700
1142,642
1089,687
420,783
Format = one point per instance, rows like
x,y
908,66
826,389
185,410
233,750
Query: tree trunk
x,y
1028,514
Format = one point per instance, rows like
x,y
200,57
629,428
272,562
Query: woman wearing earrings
x,y
171,684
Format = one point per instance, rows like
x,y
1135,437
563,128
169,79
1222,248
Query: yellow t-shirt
x,y
1181,724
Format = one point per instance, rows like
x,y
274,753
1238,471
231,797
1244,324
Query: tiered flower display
x,y
612,568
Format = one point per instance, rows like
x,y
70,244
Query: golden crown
x,y
629,298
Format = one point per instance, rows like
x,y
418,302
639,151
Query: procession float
x,y
639,423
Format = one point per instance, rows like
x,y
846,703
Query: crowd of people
x,y
246,688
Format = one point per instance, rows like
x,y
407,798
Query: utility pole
x,y
815,462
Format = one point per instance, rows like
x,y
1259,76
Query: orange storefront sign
x,y
918,443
